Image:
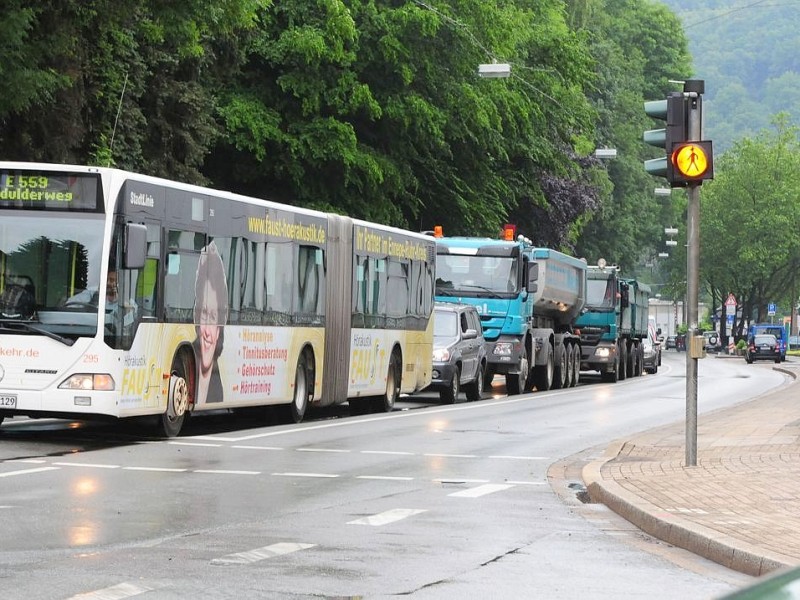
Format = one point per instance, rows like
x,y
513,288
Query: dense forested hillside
x,y
748,53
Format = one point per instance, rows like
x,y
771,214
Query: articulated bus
x,y
124,295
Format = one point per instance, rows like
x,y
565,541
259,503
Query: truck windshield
x,y
471,275
50,272
600,293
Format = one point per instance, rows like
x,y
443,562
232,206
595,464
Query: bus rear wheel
x,y
299,405
385,402
179,396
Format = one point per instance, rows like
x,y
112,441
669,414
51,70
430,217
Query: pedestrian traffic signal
x,y
673,111
692,161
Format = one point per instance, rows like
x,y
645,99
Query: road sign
x,y
771,308
731,301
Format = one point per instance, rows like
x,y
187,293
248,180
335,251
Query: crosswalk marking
x,y
115,592
481,490
251,556
386,517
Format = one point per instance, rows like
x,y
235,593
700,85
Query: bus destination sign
x,y
40,190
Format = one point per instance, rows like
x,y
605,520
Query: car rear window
x,y
765,339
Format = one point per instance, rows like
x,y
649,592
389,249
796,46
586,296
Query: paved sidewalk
x,y
740,506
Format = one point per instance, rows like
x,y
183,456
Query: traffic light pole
x,y
692,282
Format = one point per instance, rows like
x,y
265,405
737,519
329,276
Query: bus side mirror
x,y
532,278
135,245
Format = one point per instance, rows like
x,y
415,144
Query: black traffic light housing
x,y
673,111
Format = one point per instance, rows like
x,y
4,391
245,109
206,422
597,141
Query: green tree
x,y
750,243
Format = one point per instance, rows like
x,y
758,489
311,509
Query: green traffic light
x,y
656,166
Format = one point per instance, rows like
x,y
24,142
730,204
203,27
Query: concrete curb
x,y
672,528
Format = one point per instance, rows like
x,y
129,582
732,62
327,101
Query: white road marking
x,y
389,516
481,490
394,415
290,474
322,450
115,592
257,447
251,556
458,480
526,482
32,461
86,465
226,472
521,457
28,471
157,469
385,477
387,452
194,444
452,455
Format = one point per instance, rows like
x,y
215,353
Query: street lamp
x,y
661,191
494,70
670,230
671,243
605,153
663,255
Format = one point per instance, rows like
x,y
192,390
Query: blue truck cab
x,y
527,298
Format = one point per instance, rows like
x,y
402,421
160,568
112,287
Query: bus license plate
x,y
8,401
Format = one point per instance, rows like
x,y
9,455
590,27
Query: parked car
x,y
777,330
652,355
670,342
459,352
762,346
712,341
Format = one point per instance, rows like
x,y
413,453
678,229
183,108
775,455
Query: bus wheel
x,y
300,400
385,402
171,421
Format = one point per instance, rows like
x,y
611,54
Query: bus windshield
x,y
50,272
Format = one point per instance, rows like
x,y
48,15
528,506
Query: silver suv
x,y
459,352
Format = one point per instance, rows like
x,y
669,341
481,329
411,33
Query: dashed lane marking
x,y
385,477
251,556
86,465
434,455
386,517
521,457
389,452
257,447
292,474
28,471
156,469
204,445
481,490
226,472
336,450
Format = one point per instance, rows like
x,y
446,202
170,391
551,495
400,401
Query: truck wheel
x,y
623,362
576,365
515,382
570,366
560,370
543,374
449,394
474,389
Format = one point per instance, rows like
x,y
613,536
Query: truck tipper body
x,y
613,324
528,299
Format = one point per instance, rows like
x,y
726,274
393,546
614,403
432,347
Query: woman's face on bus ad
x,y
209,329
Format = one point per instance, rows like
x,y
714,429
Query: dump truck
x,y
614,323
528,299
